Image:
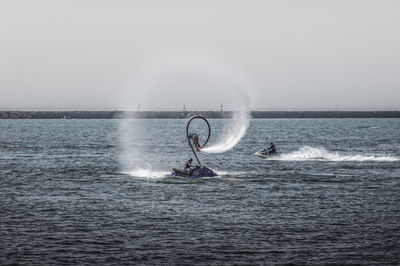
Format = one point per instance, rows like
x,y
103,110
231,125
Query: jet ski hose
x,y
187,134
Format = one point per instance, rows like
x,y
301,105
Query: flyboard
x,y
263,153
199,170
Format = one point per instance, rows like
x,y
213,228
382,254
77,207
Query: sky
x,y
277,55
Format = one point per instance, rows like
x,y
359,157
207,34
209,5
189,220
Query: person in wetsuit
x,y
189,168
188,165
195,139
271,149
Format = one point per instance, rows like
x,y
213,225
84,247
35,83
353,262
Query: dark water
x,y
93,192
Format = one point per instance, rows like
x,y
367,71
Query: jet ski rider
x,y
188,165
195,139
189,168
271,149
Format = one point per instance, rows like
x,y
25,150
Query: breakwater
x,y
186,114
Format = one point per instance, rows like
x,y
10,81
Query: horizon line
x,y
213,110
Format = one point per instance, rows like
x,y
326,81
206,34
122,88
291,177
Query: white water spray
x,y
179,74
310,153
147,173
237,129
235,133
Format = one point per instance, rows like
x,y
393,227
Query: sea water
x,y
95,192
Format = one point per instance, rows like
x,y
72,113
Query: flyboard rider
x,y
195,139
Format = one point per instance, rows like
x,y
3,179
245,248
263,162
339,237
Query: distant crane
x,y
222,107
184,107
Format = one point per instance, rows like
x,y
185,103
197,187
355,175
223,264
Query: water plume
x,y
234,134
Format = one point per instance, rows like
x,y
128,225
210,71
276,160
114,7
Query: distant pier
x,y
186,114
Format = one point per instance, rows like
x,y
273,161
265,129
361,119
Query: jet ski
x,y
263,153
195,172
198,170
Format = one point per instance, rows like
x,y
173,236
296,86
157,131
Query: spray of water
x,y
237,127
128,148
233,135
186,75
143,172
312,153
132,150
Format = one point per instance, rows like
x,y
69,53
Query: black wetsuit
x,y
188,165
189,168
271,149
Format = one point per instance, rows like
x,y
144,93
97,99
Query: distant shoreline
x,y
186,114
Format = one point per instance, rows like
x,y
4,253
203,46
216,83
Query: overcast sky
x,y
105,55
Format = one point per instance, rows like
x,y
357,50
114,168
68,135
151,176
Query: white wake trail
x,y
311,153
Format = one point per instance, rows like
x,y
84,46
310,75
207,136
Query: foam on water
x,y
147,173
223,173
312,153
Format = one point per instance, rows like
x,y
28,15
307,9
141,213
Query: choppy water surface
x,y
94,192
